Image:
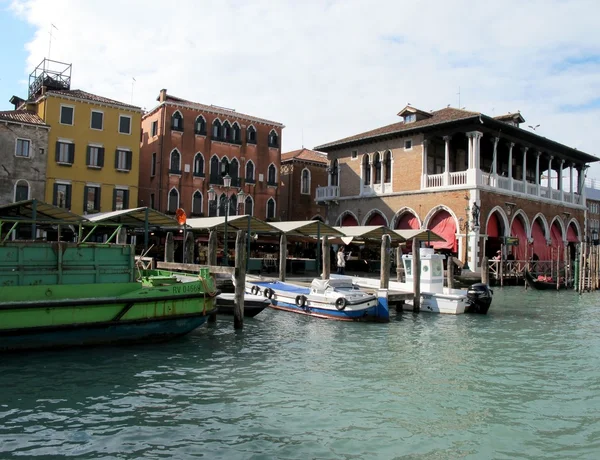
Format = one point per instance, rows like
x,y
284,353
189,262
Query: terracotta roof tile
x,y
22,116
79,94
305,154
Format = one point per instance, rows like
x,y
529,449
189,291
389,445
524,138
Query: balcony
x,y
250,180
218,180
328,193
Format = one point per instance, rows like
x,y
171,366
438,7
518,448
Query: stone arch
x,y
540,235
433,211
317,217
447,231
524,219
371,214
544,221
342,216
573,222
561,224
503,216
401,213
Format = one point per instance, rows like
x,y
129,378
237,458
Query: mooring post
x,y
416,268
450,272
282,256
485,270
188,249
384,276
399,264
169,248
326,259
240,279
212,248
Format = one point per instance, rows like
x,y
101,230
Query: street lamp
x,y
212,195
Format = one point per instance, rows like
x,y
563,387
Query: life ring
x,y
340,303
300,301
269,293
255,289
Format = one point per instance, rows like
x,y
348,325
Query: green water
x,y
522,382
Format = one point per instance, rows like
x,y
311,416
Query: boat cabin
x,y
432,270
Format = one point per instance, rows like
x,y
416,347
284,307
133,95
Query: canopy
x,y
419,234
306,228
371,232
233,223
443,224
135,217
38,210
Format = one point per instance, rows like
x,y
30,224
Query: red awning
x,y
556,236
376,219
540,245
349,221
407,222
572,235
517,230
493,229
443,224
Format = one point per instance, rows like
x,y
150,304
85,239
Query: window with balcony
x,y
271,208
175,162
95,156
234,172
65,153
21,190
120,199
177,121
123,160
273,139
236,134
334,173
250,172
62,195
388,167
377,168
200,126
366,170
226,132
197,203
305,182
251,135
173,201
91,199
216,130
199,165
272,175
22,148
215,170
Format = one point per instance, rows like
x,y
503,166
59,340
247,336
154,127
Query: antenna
x,y
132,84
458,97
302,137
50,41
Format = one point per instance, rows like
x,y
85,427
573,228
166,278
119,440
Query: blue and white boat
x,y
338,299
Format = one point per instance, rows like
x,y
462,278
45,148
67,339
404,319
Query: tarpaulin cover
x,y
407,221
556,236
349,221
443,224
540,246
572,235
493,230
377,219
517,230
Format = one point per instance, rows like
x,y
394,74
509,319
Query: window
x,y
197,203
236,134
175,163
200,125
223,204
199,165
305,182
91,198
388,167
62,195
22,148
272,175
154,128
153,165
334,173
233,205
250,172
95,156
173,200
354,154
177,121
273,139
234,172
21,190
152,201
41,150
226,133
366,170
251,136
410,118
66,114
408,144
97,121
214,170
123,160
249,208
65,153
216,132
212,208
124,124
377,168
271,209
120,199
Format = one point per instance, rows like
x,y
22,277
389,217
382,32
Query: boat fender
x,y
300,301
340,303
254,289
269,293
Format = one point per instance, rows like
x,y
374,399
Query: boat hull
x,y
540,285
253,304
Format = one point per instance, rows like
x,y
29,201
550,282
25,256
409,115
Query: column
x,y
560,181
447,160
524,150
470,150
372,172
538,154
495,160
550,176
477,149
510,171
571,184
424,165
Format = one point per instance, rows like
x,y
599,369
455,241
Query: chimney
x,y
16,101
162,97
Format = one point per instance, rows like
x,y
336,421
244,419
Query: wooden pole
x,y
326,259
399,263
485,270
188,251
282,256
384,276
240,279
557,269
416,268
169,248
212,247
566,264
501,266
450,272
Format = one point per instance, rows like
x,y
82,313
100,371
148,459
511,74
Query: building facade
x,y
188,147
23,152
474,179
302,171
93,157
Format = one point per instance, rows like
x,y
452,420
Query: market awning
x,y
233,223
420,235
306,228
368,232
135,217
40,211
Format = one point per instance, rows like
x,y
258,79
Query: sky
x,y
325,69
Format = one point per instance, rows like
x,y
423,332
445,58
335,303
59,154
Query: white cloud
x,y
332,69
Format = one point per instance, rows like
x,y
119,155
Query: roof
x,y
306,228
306,155
420,235
83,95
214,109
22,116
371,232
511,117
445,115
135,217
233,223
43,212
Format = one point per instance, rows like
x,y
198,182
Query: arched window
x,y
175,163
212,208
273,139
334,173
388,167
233,205
377,168
305,182
21,190
173,200
200,125
197,203
216,132
249,208
272,175
198,165
271,209
236,136
177,121
215,171
366,170
224,166
250,172
234,172
251,135
222,204
226,134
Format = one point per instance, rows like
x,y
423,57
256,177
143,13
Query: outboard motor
x,y
479,296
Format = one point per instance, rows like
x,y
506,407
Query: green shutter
x,y
98,198
55,195
68,205
114,206
101,157
126,199
116,159
85,192
71,153
129,160
88,159
57,157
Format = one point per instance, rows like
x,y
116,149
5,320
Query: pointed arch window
x,y
215,170
251,135
173,200
236,136
366,170
305,182
271,209
273,139
21,190
198,165
200,125
223,202
250,172
197,203
272,175
226,133
334,172
175,163
377,168
234,172
233,205
249,206
177,121
212,208
388,167
216,130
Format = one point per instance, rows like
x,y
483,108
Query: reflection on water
x,y
521,382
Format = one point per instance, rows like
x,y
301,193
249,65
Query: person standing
x,y
341,261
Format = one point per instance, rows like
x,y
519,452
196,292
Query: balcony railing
x,y
330,192
218,180
250,180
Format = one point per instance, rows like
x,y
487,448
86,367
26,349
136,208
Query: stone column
x,y
550,176
524,150
510,171
560,180
537,171
477,149
424,165
447,160
571,169
495,160
372,170
470,150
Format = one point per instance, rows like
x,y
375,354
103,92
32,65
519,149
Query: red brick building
x,y
302,171
188,147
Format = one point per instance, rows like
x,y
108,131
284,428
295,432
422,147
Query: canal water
x,y
522,382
